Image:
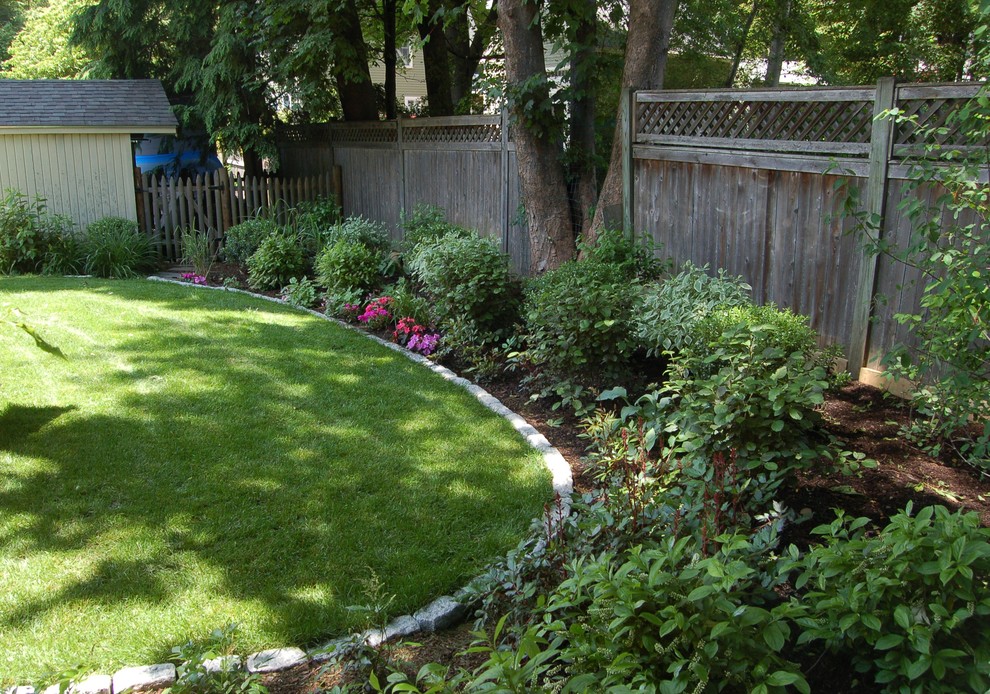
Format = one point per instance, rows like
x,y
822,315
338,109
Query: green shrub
x,y
359,230
469,278
278,259
909,605
20,232
65,247
300,292
407,304
348,265
638,259
242,240
578,322
667,312
313,219
427,224
116,248
666,619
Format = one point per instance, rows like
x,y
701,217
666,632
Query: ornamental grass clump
x,y
115,248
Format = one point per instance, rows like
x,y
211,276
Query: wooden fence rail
x,y
212,203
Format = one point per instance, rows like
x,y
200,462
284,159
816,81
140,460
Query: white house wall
x,y
83,176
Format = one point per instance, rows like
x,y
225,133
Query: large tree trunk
x,y
650,23
775,58
389,56
436,63
466,50
541,173
357,93
584,182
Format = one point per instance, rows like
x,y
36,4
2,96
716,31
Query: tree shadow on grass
x,y
20,421
273,459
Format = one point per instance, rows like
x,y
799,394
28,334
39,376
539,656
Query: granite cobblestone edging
x,y
442,613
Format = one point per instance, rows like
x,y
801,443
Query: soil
x,y
862,417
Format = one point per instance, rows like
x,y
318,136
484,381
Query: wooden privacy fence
x,y
465,164
746,180
212,203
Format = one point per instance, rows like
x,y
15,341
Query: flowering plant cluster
x,y
350,312
193,277
376,314
415,337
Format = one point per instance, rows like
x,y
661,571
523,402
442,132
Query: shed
x,y
69,141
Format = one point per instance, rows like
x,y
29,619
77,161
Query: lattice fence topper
x,y
738,118
939,114
384,133
485,132
314,132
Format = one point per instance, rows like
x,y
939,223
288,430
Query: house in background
x,y
71,141
410,78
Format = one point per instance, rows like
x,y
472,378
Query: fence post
x,y
503,202
876,197
223,181
402,167
627,124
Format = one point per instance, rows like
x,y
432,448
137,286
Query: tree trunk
x,y
741,46
584,183
650,23
436,64
775,58
389,57
466,50
541,173
357,93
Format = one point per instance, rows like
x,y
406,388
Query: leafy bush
x,y
664,620
578,321
65,247
347,265
115,248
408,304
469,278
636,258
242,240
20,232
908,605
667,312
300,292
313,219
278,259
359,230
427,224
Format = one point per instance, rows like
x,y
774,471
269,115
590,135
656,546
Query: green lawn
x,y
203,458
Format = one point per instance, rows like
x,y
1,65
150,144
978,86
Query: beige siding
x,y
85,176
409,81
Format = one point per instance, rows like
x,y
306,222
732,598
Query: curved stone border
x,y
444,612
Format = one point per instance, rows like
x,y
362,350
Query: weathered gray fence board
x,y
370,182
462,182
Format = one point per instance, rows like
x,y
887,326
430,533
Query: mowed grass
x,y
203,458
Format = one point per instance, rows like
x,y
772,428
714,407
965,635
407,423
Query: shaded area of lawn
x,y
204,458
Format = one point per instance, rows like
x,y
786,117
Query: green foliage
x,y
42,49
667,312
578,322
300,292
407,304
347,265
116,248
468,278
197,251
359,230
242,240
312,220
427,224
471,348
65,247
908,605
20,232
664,620
278,259
227,676
637,259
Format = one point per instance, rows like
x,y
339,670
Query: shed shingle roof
x,y
138,104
